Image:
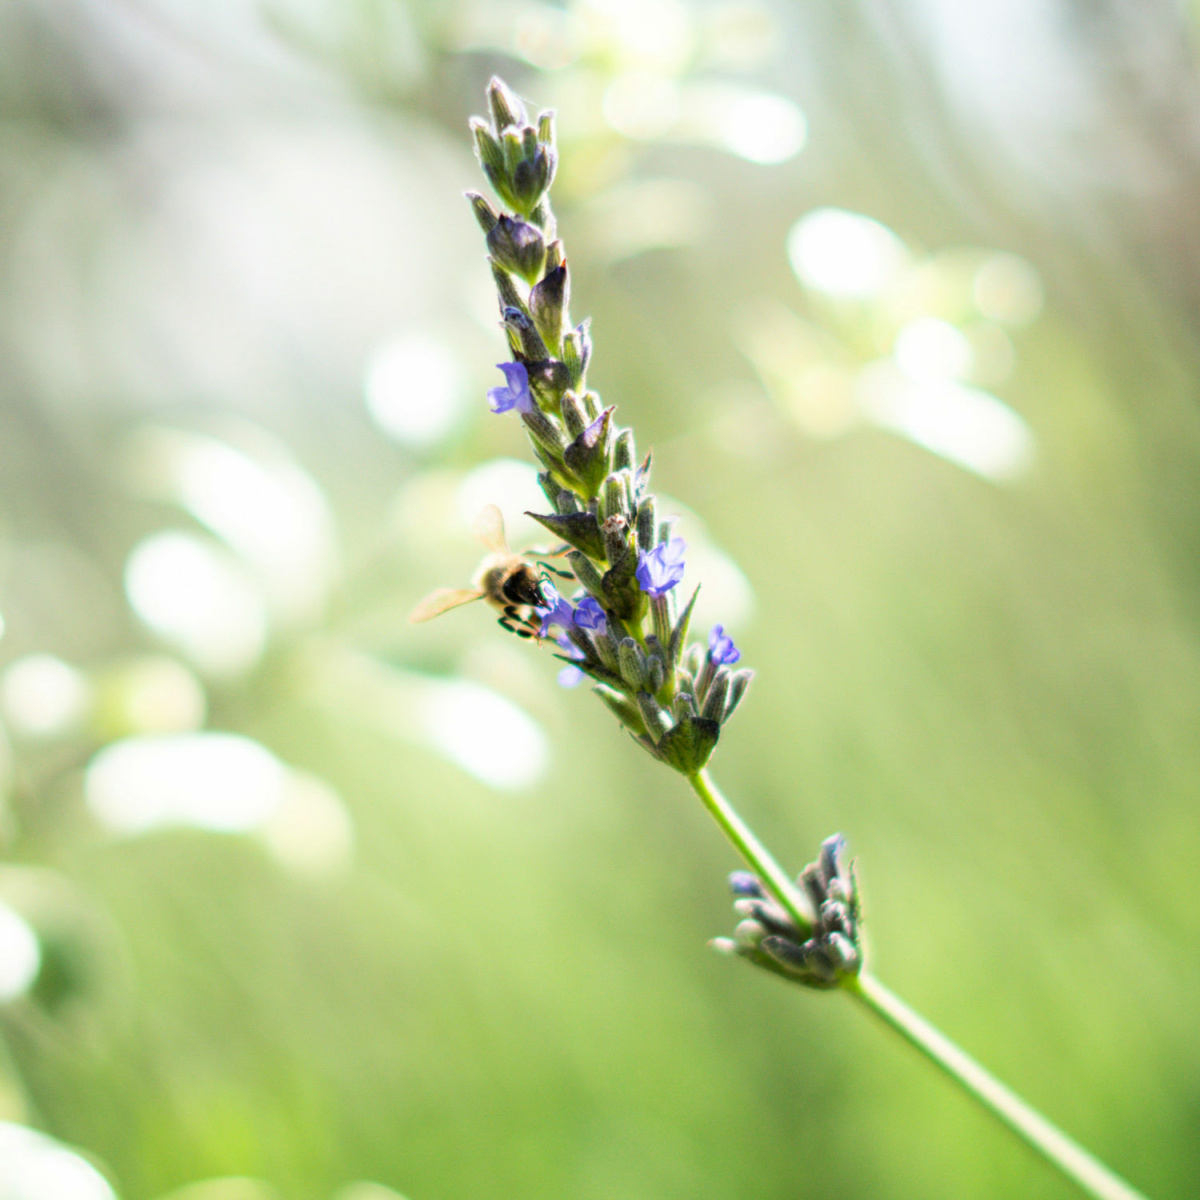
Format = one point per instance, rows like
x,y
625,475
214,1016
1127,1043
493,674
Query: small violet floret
x,y
721,650
662,568
514,393
589,615
556,610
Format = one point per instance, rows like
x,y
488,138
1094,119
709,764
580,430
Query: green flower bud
x,y
506,108
841,950
739,681
589,455
585,571
526,345
548,303
658,724
748,934
646,526
608,651
616,539
518,247
545,127
622,595
548,380
574,414
714,700
614,499
577,352
688,745
632,663
484,213
550,488
624,456
532,175
655,674
506,290
513,149
808,963
660,615
490,154
544,432
625,710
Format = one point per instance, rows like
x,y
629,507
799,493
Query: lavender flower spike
x,y
662,568
514,393
721,650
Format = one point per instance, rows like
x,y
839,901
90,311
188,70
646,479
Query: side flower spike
x,y
767,937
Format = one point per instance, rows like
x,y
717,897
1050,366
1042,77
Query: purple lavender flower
x,y
515,393
662,568
556,612
589,615
721,650
570,676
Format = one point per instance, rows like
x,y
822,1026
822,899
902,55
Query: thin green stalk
x,y
1087,1172
757,856
1082,1168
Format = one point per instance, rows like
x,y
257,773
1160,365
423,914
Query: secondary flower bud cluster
x,y
768,937
625,629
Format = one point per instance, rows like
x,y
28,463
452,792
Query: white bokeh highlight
x,y
415,389
36,1167
20,960
218,781
200,598
844,254
43,696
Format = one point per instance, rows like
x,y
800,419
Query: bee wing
x,y
442,601
489,529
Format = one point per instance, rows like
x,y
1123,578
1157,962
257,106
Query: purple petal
x,y
721,649
515,376
589,615
569,648
570,677
514,393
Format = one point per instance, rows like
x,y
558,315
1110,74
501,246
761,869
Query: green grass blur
x,y
215,223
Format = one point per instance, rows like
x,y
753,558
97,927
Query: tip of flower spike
x,y
743,883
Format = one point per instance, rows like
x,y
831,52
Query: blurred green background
x,y
300,902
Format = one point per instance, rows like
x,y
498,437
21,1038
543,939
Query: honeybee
x,y
507,581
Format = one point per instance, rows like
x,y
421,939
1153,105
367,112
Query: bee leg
x,y
514,623
555,571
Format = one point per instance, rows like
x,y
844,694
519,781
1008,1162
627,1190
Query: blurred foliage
x,y
296,897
